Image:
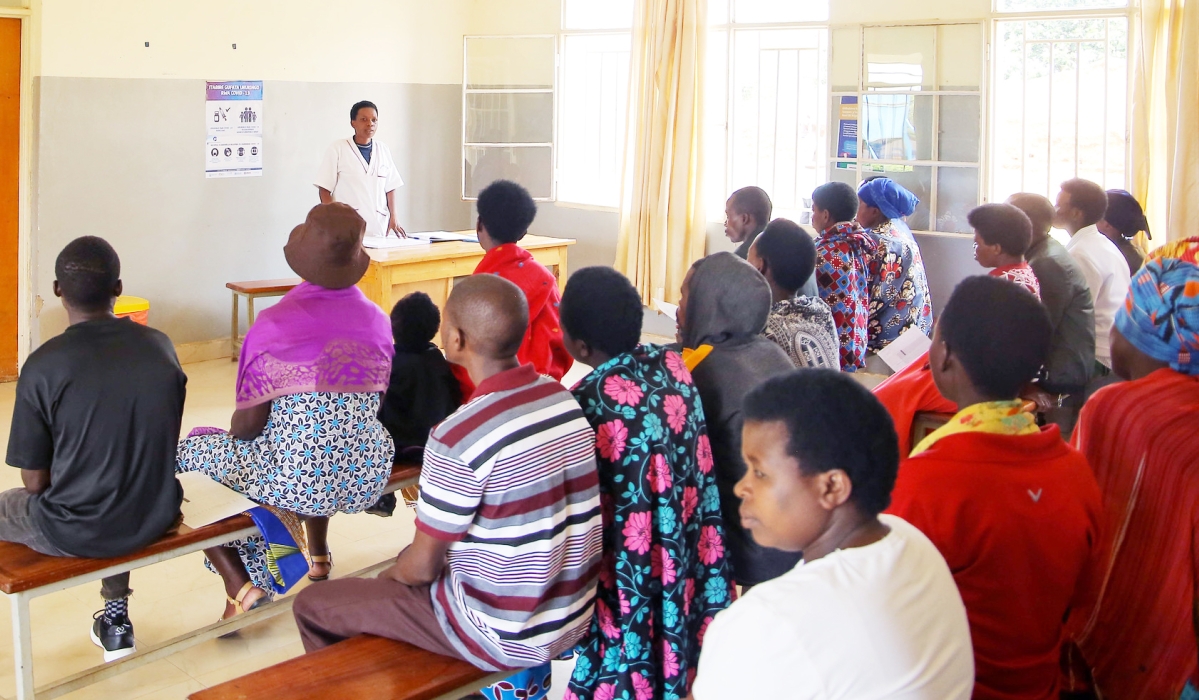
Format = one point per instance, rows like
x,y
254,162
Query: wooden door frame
x,y
30,65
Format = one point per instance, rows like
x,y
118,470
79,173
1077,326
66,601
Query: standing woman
x,y
306,438
359,171
665,572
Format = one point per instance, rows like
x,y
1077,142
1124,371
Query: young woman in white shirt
x,y
871,611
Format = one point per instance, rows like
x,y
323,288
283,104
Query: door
x,y
10,169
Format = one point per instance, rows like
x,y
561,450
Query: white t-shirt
x,y
364,186
1106,272
880,621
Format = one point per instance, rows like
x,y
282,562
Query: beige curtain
x,y
1165,127
662,226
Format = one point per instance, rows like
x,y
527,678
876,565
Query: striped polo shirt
x,y
510,480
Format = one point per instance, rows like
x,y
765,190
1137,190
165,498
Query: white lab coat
x,y
346,174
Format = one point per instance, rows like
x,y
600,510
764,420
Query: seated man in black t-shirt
x,y
94,430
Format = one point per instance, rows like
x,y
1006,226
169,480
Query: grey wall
x,y
948,259
124,159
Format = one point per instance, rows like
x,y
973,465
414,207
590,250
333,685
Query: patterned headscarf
x,y
1161,314
889,197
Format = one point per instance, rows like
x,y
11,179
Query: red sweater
x,y
542,347
1017,519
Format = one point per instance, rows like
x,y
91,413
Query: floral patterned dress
x,y
319,454
899,296
664,574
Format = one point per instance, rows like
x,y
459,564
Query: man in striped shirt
x,y
503,569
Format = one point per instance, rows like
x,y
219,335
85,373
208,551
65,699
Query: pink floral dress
x,y
664,574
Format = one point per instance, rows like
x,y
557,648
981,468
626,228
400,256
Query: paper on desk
x,y
905,349
206,501
439,236
388,242
671,310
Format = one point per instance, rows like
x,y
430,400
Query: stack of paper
x,y
439,236
388,242
206,501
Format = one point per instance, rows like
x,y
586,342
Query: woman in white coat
x,y
359,171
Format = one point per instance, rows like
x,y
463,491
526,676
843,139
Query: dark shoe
x,y
384,507
115,637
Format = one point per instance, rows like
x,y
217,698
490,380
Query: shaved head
x,y
491,315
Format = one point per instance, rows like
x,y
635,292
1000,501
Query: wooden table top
x,y
455,249
264,286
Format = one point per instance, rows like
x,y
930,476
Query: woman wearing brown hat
x,y
305,439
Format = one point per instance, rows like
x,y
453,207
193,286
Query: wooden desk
x,y
431,269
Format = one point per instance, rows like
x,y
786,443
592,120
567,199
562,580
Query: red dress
x,y
1139,438
1017,519
542,347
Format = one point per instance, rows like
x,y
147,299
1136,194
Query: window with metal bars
x,y
766,97
907,104
1060,106
508,113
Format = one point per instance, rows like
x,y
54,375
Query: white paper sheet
x,y
671,310
439,236
905,349
388,242
206,501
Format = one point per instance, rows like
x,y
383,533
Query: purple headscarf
x,y
889,197
315,340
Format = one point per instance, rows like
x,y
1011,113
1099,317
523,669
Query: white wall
x,y
366,41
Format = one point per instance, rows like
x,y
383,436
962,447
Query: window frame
x,y
1129,13
560,70
730,27
935,163
552,90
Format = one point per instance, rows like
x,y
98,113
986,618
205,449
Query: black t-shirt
x,y
421,394
100,406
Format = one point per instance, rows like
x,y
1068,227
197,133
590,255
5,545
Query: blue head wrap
x,y
1160,317
889,197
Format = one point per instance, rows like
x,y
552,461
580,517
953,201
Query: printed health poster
x,y
233,112
847,128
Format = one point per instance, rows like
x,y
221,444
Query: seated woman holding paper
x,y
305,439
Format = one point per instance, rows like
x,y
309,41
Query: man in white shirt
x,y
1080,205
359,171
872,610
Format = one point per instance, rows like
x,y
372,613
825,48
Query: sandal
x,y
326,558
238,603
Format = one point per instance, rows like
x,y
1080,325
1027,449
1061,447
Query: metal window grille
x,y
908,122
1060,103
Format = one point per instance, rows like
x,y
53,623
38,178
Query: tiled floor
x,y
176,596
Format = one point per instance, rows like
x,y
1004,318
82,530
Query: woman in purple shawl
x,y
305,438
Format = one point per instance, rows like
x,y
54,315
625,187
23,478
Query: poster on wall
x,y
233,112
847,127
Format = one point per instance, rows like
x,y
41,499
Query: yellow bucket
x,y
134,308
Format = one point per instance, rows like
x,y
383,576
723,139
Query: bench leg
x,y
22,643
233,337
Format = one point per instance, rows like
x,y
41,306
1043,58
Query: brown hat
x,y
326,249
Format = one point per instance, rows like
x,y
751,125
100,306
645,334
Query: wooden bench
x,y
362,667
25,575
256,289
